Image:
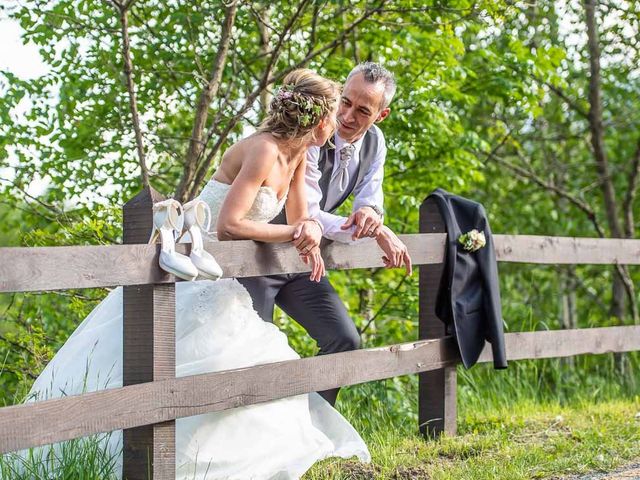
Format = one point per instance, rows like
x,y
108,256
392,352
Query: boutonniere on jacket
x,y
473,240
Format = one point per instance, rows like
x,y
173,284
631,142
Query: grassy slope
x,y
523,441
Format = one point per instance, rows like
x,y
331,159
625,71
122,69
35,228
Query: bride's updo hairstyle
x,y
301,102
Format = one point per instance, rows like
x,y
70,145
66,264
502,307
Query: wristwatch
x,y
376,209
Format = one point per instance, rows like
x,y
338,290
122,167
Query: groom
x,y
354,167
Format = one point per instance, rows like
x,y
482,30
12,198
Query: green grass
x,y
525,440
537,419
80,459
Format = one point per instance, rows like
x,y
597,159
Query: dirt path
x,y
628,472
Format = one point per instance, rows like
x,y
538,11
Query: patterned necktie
x,y
342,174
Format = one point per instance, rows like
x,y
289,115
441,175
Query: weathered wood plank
x,y
553,250
436,388
567,343
55,420
149,355
59,268
61,419
148,351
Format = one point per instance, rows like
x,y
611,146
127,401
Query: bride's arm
x,y
232,224
296,205
308,233
298,213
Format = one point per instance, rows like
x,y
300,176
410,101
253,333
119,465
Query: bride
x,y
216,326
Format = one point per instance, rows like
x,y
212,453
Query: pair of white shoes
x,y
171,221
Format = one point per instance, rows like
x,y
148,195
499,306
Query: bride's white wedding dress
x,y
216,329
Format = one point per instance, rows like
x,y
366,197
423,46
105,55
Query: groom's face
x,y
360,107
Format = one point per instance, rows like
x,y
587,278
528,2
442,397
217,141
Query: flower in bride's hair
x,y
303,108
285,92
304,119
472,240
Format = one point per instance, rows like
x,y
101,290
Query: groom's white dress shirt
x,y
368,192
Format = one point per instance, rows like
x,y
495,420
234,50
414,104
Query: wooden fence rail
x,y
152,398
59,268
50,421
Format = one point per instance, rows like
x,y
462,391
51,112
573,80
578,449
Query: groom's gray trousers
x,y
315,306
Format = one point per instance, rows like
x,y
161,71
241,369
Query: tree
x,y
576,154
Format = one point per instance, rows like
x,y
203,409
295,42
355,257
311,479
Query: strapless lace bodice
x,y
265,208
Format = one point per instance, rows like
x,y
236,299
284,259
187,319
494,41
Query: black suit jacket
x,y
468,300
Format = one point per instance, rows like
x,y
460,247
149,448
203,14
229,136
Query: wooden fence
x,y
152,397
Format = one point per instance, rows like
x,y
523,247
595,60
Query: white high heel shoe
x,y
197,216
168,220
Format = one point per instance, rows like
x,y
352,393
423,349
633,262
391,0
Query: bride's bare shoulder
x,y
256,154
263,144
259,145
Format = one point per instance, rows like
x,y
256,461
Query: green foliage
x,y
76,133
34,325
491,104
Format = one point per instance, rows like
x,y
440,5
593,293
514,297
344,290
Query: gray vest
x,y
325,165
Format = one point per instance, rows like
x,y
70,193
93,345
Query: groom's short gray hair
x,y
376,73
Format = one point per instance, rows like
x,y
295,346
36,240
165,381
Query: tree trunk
x,y
596,127
617,310
366,306
131,89
569,316
265,36
595,122
210,90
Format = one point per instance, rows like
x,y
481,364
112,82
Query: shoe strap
x,y
195,205
168,205
207,216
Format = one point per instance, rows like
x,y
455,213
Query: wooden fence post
x,y
148,350
437,388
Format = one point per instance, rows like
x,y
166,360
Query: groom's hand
x,y
318,269
395,252
307,236
367,223
317,265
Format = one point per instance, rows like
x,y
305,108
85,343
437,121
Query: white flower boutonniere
x,y
473,240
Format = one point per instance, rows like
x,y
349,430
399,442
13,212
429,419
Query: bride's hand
x,y
307,236
317,264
